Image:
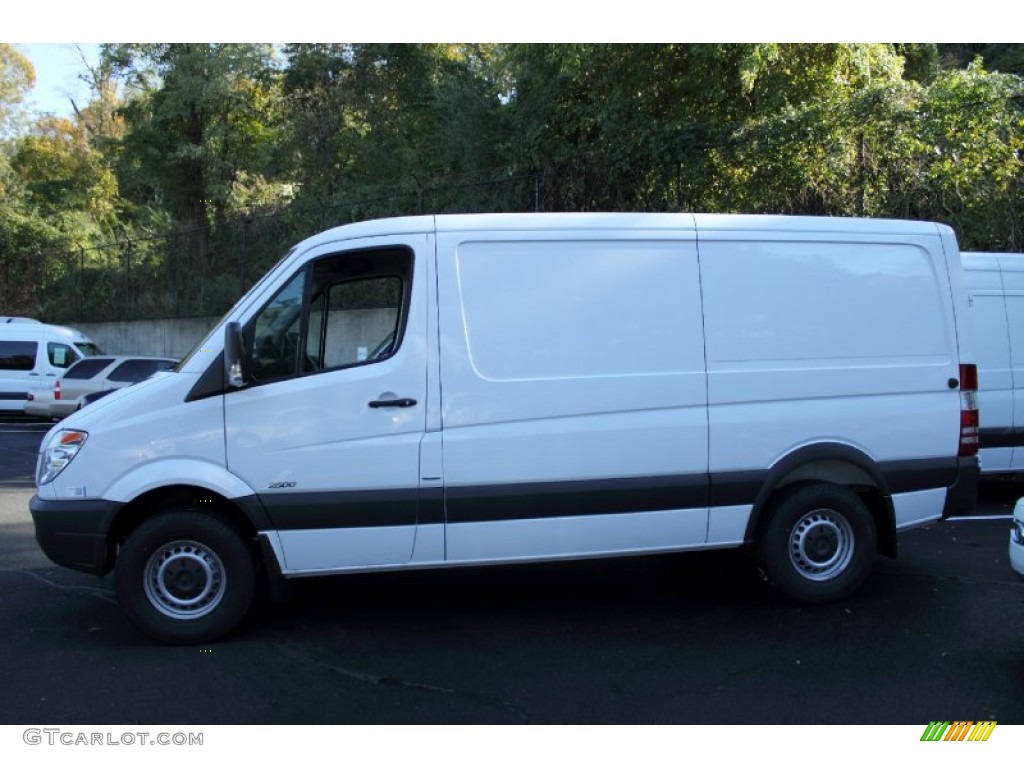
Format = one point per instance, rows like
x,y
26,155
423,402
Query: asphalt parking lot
x,y
682,639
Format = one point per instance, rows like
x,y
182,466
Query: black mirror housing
x,y
236,363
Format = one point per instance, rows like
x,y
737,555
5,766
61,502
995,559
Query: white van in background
x,y
547,386
995,286
32,355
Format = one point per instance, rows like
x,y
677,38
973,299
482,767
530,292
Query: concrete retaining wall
x,y
164,338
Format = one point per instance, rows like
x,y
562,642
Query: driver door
x,y
329,430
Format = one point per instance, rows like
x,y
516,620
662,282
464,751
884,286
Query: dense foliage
x,y
196,165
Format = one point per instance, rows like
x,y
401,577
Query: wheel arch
x,y
836,463
246,518
245,515
158,486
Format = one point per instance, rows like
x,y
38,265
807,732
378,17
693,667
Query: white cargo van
x,y
539,387
995,285
32,355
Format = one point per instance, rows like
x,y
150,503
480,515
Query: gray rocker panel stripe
x,y
531,501
1001,437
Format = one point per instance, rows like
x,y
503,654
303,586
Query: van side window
x,y
17,355
351,313
61,355
362,317
362,301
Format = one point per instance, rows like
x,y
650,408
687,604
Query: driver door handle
x,y
401,402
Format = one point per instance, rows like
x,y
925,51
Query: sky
x,y
58,66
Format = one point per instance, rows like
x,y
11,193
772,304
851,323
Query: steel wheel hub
x,y
821,545
184,580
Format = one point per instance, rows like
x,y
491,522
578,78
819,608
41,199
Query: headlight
x,y
58,453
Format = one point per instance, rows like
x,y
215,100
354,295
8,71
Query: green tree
x,y
317,88
802,148
921,61
384,120
64,175
23,233
201,125
17,76
972,160
1006,58
23,238
661,127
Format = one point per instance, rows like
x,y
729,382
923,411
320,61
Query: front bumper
x,y
74,534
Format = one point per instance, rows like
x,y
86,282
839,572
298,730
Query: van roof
x,y
40,331
689,222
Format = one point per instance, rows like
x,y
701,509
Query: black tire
x,y
184,577
818,544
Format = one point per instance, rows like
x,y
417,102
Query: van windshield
x,y
88,349
259,284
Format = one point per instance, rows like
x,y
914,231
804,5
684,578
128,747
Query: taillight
x,y
968,410
56,390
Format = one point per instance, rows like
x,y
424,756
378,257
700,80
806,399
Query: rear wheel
x,y
818,544
184,577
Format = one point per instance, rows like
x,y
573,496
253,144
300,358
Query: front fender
x,y
178,471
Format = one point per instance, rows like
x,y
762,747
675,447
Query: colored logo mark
x,y
958,730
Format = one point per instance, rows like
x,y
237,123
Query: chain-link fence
x,y
201,272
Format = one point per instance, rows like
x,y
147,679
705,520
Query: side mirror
x,y
236,363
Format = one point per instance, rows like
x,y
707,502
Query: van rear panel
x,y
818,339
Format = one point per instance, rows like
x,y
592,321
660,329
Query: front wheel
x,y
184,577
818,544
